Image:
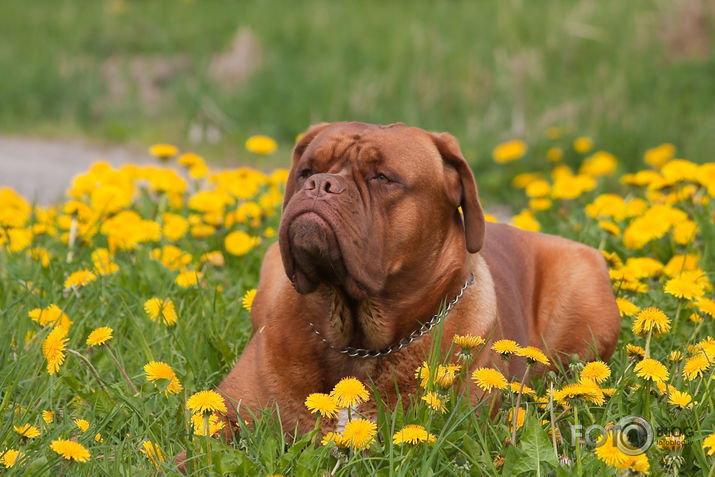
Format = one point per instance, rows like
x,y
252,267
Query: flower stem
x,y
207,427
578,443
647,343
677,316
121,369
91,368
553,420
516,406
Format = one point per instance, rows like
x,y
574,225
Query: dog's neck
x,y
380,322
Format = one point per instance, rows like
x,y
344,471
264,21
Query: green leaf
x,y
534,448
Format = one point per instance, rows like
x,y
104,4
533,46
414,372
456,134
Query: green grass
x,y
213,328
485,71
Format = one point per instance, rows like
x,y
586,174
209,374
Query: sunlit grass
x,y
169,262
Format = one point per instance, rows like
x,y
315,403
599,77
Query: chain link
x,y
418,333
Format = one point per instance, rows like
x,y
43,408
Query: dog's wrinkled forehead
x,y
368,146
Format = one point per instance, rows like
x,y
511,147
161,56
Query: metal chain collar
x,y
419,332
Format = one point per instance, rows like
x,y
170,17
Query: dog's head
x,y
364,203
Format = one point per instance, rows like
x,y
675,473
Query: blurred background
x,y
80,78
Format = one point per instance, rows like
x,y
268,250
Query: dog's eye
x,y
382,178
305,173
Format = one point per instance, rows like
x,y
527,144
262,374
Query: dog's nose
x,y
323,186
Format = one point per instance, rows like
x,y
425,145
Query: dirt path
x,y
42,169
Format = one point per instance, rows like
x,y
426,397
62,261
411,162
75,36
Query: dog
x,y
380,226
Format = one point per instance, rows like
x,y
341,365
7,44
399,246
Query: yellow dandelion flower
x,y
422,373
446,375
695,366
533,355
434,402
514,386
163,151
538,188
52,315
215,258
334,438
596,371
489,378
260,144
652,370
188,278
599,164
175,226
520,181
675,355
359,433
610,227
509,151
587,390
40,255
582,144
83,424
103,264
626,307
27,430
505,347
152,452
9,457
520,416
206,401
248,298
467,342
609,453
215,424
709,444
612,258
679,264
189,159
706,306
349,392
643,267
681,399
70,450
635,351
525,220
684,232
554,154
240,243
684,287
414,434
323,404
651,319
542,203
659,155
79,279
53,348
707,346
171,256
164,308
48,416
156,370
636,463
100,336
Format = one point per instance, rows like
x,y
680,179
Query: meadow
x,y
629,74
124,305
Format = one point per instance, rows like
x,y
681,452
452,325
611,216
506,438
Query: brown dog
x,y
371,242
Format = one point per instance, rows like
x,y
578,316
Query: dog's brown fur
x,y
369,258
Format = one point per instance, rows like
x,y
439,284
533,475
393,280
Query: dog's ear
x,y
462,192
298,151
